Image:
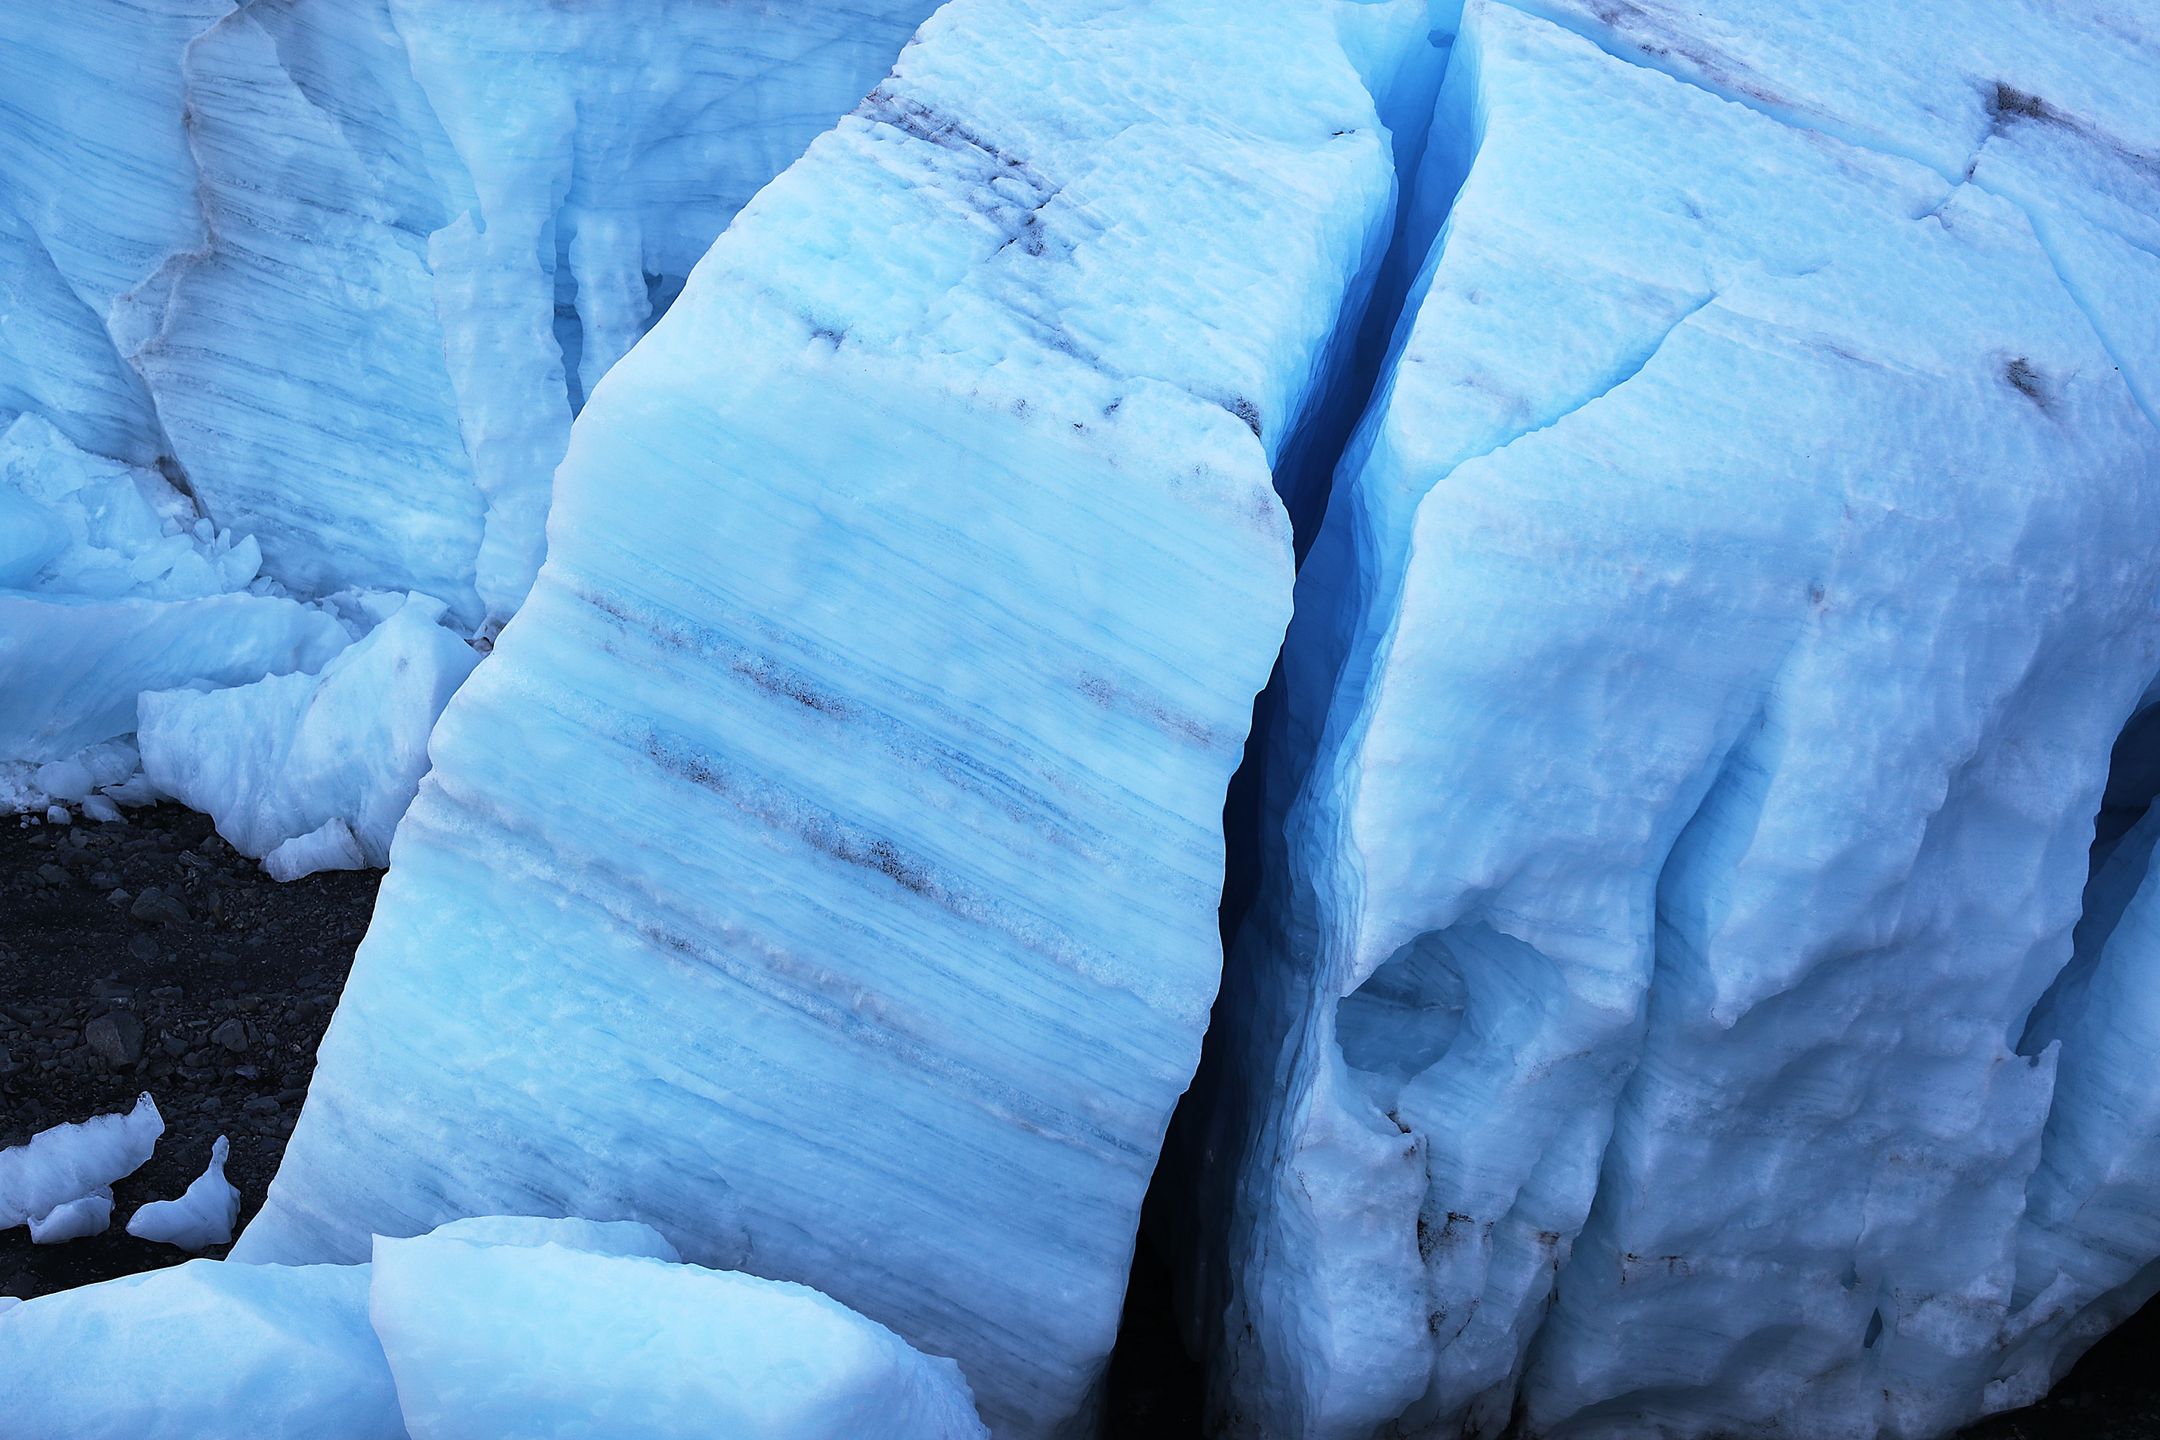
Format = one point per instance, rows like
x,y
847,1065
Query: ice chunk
x,y
918,569
200,1217
202,1351
67,1162
315,769
1702,688
542,1339
74,1220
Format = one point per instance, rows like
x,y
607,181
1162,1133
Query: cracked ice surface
x,y
353,264
825,866
1701,691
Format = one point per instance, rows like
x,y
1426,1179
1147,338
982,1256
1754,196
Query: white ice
x,y
551,1339
313,770
76,1219
112,583
67,1162
201,1216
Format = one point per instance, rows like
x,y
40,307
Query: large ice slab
x,y
1701,692
543,1339
825,866
352,265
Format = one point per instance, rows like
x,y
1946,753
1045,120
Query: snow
x,y
315,769
1687,755
555,1340
494,1326
352,265
75,1220
200,1217
824,867
67,1162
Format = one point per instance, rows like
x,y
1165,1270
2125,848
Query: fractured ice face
x,y
1701,692
353,266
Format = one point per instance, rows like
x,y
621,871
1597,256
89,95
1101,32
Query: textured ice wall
x,y
351,265
1700,696
825,867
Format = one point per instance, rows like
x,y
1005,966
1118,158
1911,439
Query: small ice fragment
x,y
75,1220
68,1162
201,1217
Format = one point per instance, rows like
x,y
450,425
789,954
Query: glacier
x,y
495,1325
350,266
824,867
1679,788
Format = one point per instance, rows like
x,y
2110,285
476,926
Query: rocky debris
x,y
148,955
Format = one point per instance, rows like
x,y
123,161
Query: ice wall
x,y
825,867
351,266
1689,740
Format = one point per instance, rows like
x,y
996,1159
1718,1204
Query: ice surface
x,y
557,1340
315,769
496,1326
74,1220
67,1162
918,569
111,583
201,1351
1701,692
201,1216
353,264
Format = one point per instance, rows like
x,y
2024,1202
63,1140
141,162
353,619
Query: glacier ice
x,y
66,1162
1680,784
111,583
352,265
205,1350
493,1326
919,568
313,771
201,1216
74,1219
548,1339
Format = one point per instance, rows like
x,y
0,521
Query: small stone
x,y
119,897
105,880
260,1105
52,874
154,906
7,1061
116,1037
174,1045
246,1072
167,992
232,1034
142,947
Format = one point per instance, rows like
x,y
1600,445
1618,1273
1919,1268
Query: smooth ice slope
x,y
66,1162
824,868
1701,694
202,1351
284,758
352,265
553,1340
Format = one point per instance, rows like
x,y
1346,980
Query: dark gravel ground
x,y
156,923
208,984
